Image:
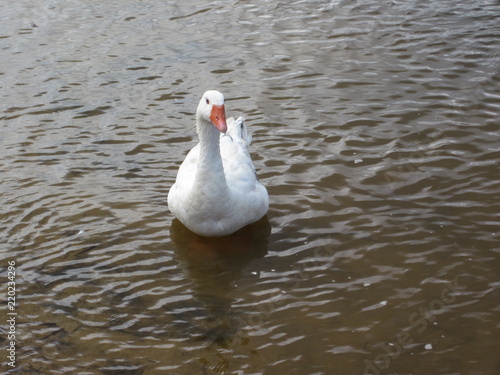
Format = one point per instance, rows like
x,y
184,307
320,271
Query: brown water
x,y
376,131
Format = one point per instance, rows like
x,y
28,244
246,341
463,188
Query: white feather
x,y
217,190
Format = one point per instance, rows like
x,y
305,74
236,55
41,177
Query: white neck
x,y
210,170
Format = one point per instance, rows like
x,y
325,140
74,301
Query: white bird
x,y
217,190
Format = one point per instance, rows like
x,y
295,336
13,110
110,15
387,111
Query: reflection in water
x,y
375,130
213,265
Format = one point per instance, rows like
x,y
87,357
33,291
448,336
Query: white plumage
x,y
217,190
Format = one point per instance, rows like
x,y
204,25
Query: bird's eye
x,y
208,101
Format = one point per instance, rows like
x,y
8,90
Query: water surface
x,y
375,129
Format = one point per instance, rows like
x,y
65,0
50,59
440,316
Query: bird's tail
x,y
238,128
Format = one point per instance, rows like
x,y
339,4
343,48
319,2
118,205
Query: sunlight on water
x,y
375,131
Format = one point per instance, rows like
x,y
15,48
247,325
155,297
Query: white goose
x,y
217,190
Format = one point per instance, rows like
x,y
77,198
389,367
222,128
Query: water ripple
x,y
374,129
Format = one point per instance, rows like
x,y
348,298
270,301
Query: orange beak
x,y
218,117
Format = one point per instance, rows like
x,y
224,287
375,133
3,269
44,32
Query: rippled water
x,y
376,131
